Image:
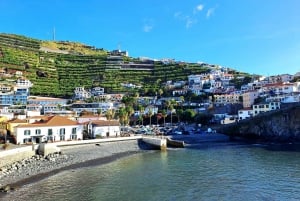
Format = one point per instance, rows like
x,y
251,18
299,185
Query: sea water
x,y
227,171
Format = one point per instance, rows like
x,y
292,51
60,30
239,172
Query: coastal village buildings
x,y
265,107
52,129
227,98
15,93
245,113
45,104
97,107
103,128
85,112
249,98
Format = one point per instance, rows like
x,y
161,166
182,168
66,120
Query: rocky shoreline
x,y
39,167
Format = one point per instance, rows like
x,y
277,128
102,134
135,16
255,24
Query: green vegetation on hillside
x,y
56,68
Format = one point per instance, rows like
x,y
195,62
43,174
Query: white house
x,y
54,128
245,113
265,107
279,88
229,119
194,79
81,93
104,128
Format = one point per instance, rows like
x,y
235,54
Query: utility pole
x,y
53,33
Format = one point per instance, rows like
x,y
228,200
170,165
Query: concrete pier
x,y
160,143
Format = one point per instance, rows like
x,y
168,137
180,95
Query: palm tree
x,y
150,114
170,105
141,110
122,114
129,111
164,115
179,112
141,119
110,113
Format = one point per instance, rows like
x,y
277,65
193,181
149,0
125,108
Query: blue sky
x,y
254,36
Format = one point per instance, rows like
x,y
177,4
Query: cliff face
x,y
276,126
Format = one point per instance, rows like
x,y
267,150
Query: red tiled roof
x,y
106,123
52,121
17,121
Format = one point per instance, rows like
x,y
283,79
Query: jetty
x,y
159,143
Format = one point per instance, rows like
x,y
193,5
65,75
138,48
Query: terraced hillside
x,y
56,68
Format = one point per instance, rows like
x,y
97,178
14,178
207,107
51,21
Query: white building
x,y
81,93
229,119
279,88
96,91
245,113
194,79
104,128
265,107
293,98
55,128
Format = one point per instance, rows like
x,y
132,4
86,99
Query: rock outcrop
x,y
276,126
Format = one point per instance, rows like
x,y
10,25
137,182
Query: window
x,y
62,137
27,132
74,137
50,132
62,131
74,131
38,131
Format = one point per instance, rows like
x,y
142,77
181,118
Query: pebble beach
x,y
77,156
39,167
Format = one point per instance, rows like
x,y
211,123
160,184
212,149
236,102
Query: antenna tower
x,y
53,33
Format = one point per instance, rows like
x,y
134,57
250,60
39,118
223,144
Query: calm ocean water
x,y
211,172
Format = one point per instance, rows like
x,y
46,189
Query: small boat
x,y
175,143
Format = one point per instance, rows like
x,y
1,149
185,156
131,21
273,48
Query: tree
x,y
164,115
141,110
179,113
122,114
160,92
189,115
99,112
110,113
203,118
141,119
129,111
170,106
150,114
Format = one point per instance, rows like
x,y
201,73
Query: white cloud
x,y
200,7
148,25
189,22
147,28
178,15
210,12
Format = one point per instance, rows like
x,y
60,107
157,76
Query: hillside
x,y
56,67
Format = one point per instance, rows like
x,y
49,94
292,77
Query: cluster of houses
x,y
273,90
33,119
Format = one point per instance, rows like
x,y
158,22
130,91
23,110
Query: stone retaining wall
x,y
10,156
